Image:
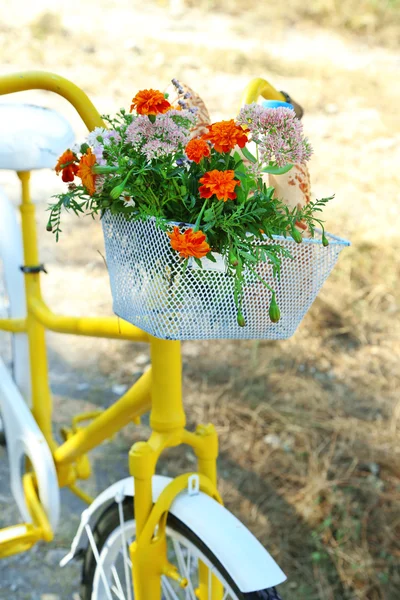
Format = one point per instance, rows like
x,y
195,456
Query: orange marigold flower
x,y
66,164
190,243
150,102
220,183
225,135
197,149
85,172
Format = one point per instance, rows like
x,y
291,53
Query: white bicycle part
x,y
32,137
11,257
112,578
247,562
23,436
24,439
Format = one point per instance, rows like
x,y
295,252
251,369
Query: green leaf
x,y
211,257
247,154
208,215
237,156
253,229
241,196
275,170
248,256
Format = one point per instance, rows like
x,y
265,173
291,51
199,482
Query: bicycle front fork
x,y
149,551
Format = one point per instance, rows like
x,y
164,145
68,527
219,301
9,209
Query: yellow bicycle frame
x,y
158,389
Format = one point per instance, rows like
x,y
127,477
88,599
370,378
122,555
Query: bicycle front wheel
x,y
116,530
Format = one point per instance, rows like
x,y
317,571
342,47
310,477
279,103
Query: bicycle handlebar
x,y
42,80
260,87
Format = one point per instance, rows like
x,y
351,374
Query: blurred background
x,y
309,427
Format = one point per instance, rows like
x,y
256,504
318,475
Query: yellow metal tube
x,y
41,80
205,444
143,458
35,508
135,402
81,494
208,467
41,396
260,87
167,497
149,551
142,465
88,416
13,325
31,252
104,327
167,409
18,538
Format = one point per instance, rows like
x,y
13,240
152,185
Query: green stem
x,y
104,169
154,196
196,226
129,174
119,189
260,279
185,265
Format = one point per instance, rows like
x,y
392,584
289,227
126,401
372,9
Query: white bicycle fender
x,y
11,254
24,438
250,566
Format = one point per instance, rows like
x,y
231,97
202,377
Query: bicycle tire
x,y
109,522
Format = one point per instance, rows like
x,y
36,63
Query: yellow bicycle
x,y
148,536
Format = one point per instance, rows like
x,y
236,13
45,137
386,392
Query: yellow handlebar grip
x,y
42,80
260,87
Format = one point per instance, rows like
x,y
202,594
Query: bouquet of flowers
x,y
206,193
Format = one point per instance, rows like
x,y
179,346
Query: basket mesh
x,y
150,289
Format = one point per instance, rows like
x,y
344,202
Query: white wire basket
x,y
151,289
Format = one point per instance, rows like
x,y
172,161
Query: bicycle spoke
x,y
180,557
126,558
184,569
128,573
189,589
168,590
181,563
188,561
181,553
96,555
121,594
117,593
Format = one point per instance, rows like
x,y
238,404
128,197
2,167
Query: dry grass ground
x,y
310,454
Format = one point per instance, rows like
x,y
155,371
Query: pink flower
x,y
278,133
98,152
169,133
